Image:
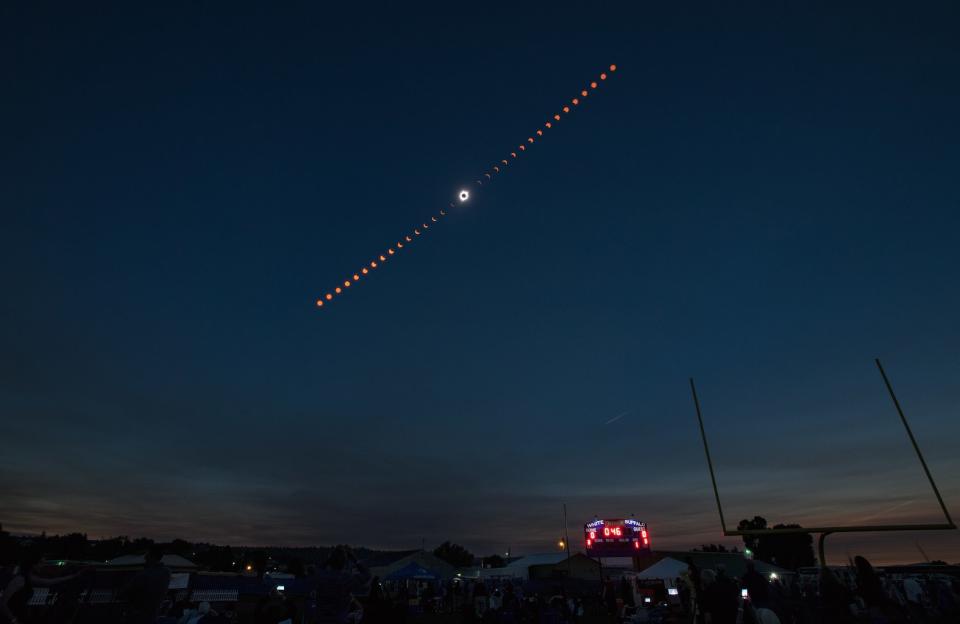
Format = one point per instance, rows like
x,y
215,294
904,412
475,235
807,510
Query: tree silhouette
x,y
219,558
790,550
181,547
752,541
454,554
107,549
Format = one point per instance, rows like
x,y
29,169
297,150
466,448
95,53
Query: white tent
x,y
668,569
520,568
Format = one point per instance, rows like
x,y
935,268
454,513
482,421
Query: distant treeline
x,y
261,559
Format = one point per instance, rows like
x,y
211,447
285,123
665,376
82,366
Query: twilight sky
x,y
763,199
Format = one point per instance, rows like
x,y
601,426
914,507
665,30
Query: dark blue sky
x,y
763,198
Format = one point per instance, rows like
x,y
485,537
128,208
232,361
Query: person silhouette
x,y
146,590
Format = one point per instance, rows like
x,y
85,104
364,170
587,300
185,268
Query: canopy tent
x,y
412,571
385,564
668,569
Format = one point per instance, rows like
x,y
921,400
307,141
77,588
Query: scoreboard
x,y
616,538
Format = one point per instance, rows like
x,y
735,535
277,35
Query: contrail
x,y
887,511
617,417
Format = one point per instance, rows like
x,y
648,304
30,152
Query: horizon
x,y
739,545
477,555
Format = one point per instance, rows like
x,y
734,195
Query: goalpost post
x,y
825,531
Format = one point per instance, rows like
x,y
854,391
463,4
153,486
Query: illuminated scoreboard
x,y
616,538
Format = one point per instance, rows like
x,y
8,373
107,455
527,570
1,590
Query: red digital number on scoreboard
x,y
614,531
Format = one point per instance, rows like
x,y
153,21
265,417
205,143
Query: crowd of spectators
x,y
501,601
343,592
860,595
